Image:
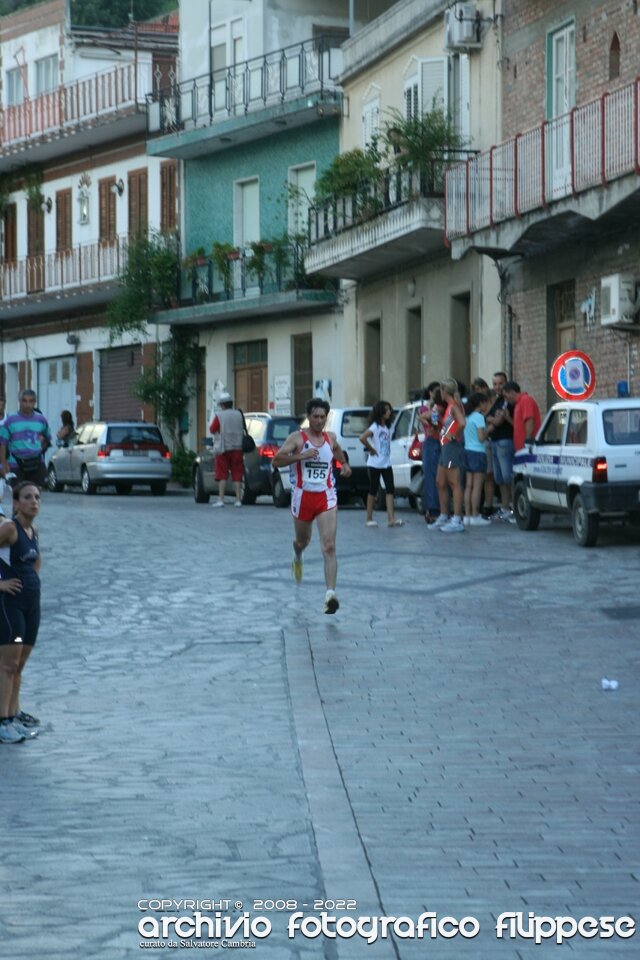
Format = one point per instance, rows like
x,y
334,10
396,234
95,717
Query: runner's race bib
x,y
316,471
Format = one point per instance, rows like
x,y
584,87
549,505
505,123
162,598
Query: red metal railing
x,y
85,100
79,266
586,148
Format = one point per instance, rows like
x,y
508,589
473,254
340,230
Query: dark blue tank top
x,y
23,555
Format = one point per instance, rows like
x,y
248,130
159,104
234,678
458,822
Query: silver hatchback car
x,y
119,453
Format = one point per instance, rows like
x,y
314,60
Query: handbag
x,y
31,468
248,443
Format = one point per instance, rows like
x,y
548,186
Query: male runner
x,y
309,454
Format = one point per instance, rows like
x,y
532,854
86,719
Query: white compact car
x,y
585,462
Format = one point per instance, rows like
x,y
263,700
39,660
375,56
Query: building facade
x,y
555,203
75,185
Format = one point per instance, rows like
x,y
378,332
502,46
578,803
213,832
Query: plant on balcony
x,y
149,282
7,187
281,250
257,262
32,180
423,142
347,173
223,255
198,258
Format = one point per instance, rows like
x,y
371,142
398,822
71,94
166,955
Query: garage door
x,y
56,388
120,370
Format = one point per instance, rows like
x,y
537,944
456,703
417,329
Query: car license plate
x,y
135,453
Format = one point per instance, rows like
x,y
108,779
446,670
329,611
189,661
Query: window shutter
x,y
63,220
464,121
434,84
10,232
370,122
107,226
168,191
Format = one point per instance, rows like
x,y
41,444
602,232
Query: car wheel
x,y
87,484
247,496
280,495
200,495
585,525
527,516
52,481
158,488
122,489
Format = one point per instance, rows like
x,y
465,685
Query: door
x,y
35,247
561,99
545,468
401,439
57,388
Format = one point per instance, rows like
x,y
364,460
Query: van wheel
x,y
585,525
527,516
200,495
87,484
280,495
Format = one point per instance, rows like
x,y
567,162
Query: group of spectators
x,y
468,448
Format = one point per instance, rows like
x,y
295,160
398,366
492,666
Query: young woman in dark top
x,y
19,608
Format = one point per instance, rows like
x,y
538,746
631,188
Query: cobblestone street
x,y
441,744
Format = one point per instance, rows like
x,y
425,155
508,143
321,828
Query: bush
x,y
182,466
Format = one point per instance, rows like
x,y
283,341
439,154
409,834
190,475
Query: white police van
x,y
585,462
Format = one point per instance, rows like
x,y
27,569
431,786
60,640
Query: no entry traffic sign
x,y
573,375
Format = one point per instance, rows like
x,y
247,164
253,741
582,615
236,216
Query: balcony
x,y
550,184
284,89
272,283
85,109
84,275
385,224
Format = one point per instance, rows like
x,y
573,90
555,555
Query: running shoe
x,y
27,732
218,503
371,523
296,568
8,733
439,522
331,603
480,521
455,525
27,720
238,503
396,523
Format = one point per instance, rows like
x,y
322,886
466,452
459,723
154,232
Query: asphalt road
x,y
442,744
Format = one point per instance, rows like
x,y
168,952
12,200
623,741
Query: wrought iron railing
x,y
395,186
275,269
79,266
73,104
586,148
311,66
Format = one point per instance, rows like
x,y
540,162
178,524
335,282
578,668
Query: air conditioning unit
x,y
618,300
462,27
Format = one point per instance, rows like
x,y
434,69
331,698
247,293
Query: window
x,y
621,426
370,122
46,75
10,232
302,182
411,100
107,226
168,197
138,204
63,221
15,87
246,215
459,89
403,425
577,431
426,86
554,428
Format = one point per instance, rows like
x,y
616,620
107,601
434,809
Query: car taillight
x,y
415,450
166,453
600,474
269,449
103,451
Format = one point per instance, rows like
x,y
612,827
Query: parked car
x,y
406,453
269,433
120,453
584,462
347,423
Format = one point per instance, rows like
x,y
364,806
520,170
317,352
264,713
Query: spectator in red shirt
x,y
526,414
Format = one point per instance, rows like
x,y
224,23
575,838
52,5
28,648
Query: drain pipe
x,y
351,18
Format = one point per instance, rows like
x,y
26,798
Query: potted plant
x,y
423,143
281,249
257,262
223,255
198,258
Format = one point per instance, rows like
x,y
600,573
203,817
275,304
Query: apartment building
x,y
253,120
555,203
412,313
75,185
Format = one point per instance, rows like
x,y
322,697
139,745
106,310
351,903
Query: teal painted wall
x,y
209,181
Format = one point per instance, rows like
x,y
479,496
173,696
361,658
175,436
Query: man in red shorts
x,y
229,424
309,454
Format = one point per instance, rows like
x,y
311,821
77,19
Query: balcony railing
x,y
84,101
311,66
279,270
51,273
586,148
396,185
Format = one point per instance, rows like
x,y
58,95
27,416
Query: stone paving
x,y
441,744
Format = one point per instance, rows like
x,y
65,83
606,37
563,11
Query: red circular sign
x,y
573,375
